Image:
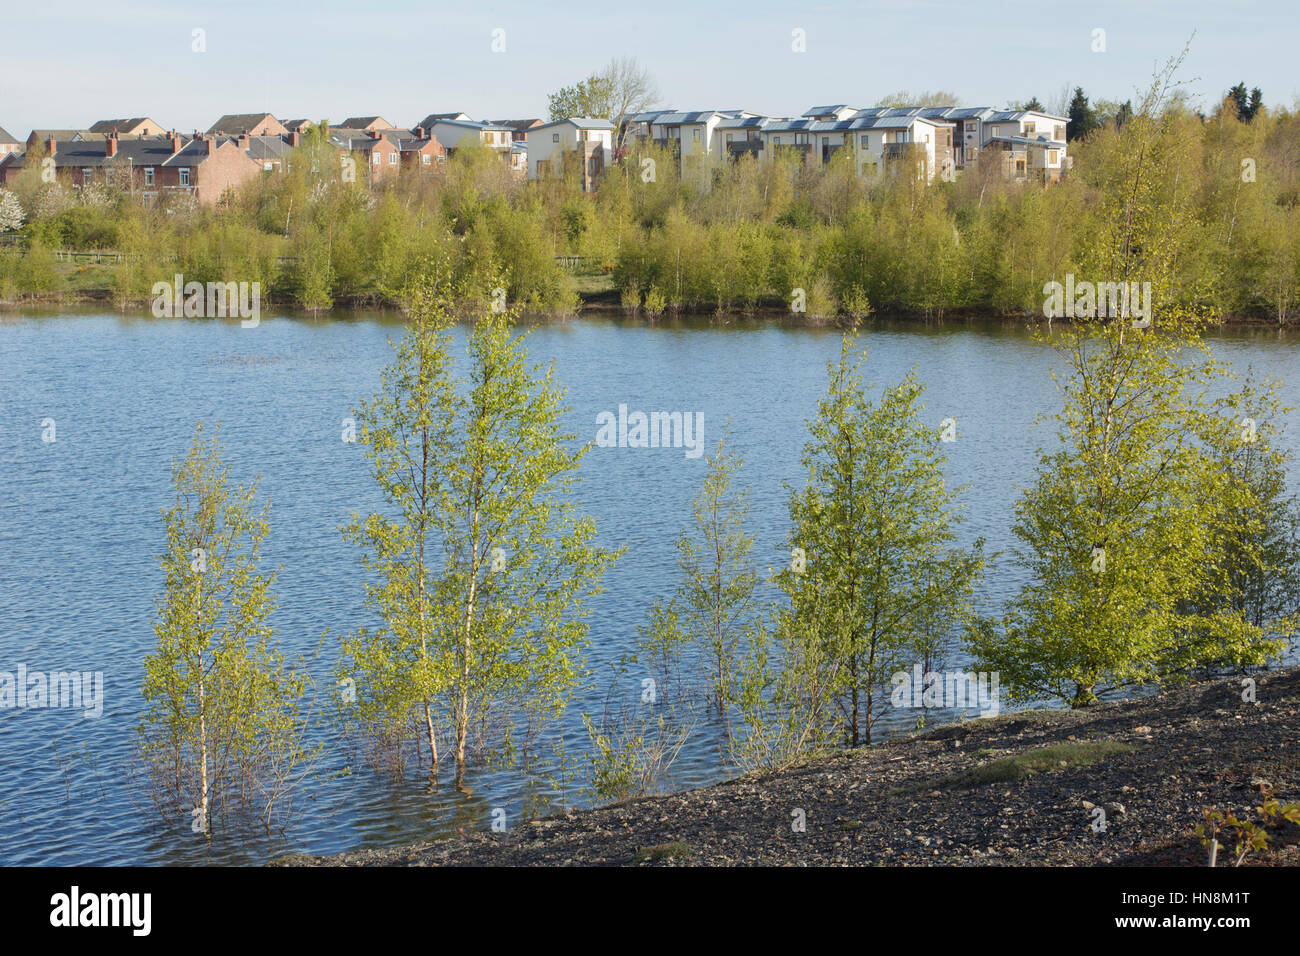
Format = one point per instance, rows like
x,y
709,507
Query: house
x,y
688,134
299,126
366,123
519,158
8,144
455,133
256,124
385,152
432,118
588,140
136,126
519,128
1029,144
269,152
38,136
150,166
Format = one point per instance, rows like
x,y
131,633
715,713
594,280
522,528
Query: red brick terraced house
x,y
150,167
255,124
386,152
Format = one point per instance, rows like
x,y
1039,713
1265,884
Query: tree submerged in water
x,y
225,725
1125,532
480,569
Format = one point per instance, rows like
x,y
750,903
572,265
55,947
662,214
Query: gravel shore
x,y
985,792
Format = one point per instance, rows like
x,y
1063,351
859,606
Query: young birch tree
x,y
485,571
875,527
1117,533
223,722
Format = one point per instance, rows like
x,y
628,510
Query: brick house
x,y
8,144
135,126
366,123
385,152
255,124
149,167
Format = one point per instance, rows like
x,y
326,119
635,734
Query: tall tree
x,y
1117,534
1247,104
224,723
1082,119
623,88
875,525
483,568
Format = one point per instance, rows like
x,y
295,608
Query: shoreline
x,y
607,305
1024,788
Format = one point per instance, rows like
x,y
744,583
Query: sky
x,y
69,64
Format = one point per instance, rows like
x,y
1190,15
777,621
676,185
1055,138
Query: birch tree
x,y
482,567
224,723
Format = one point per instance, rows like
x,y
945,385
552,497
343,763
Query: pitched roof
x,y
435,117
582,122
146,151
5,138
121,125
239,122
520,125
361,122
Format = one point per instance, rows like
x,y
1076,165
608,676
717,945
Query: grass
x,y
665,852
1082,753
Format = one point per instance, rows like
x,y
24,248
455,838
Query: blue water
x,y
80,522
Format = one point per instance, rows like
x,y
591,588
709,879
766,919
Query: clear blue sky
x,y
68,64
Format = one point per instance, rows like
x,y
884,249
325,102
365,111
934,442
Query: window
x,y
776,140
392,159
1051,157
374,158
86,174
696,131
865,141
728,137
148,176
1020,166
826,140
425,159
555,137
185,175
1029,129
267,166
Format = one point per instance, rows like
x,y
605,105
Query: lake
x,y
80,524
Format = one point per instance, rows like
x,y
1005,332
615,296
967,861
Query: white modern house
x,y
590,141
453,133
690,134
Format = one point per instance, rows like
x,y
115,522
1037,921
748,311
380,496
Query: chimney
x,y
110,145
208,142
375,134
176,142
50,146
419,132
243,141
295,138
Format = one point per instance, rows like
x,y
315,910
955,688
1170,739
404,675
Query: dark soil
x,y
976,793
